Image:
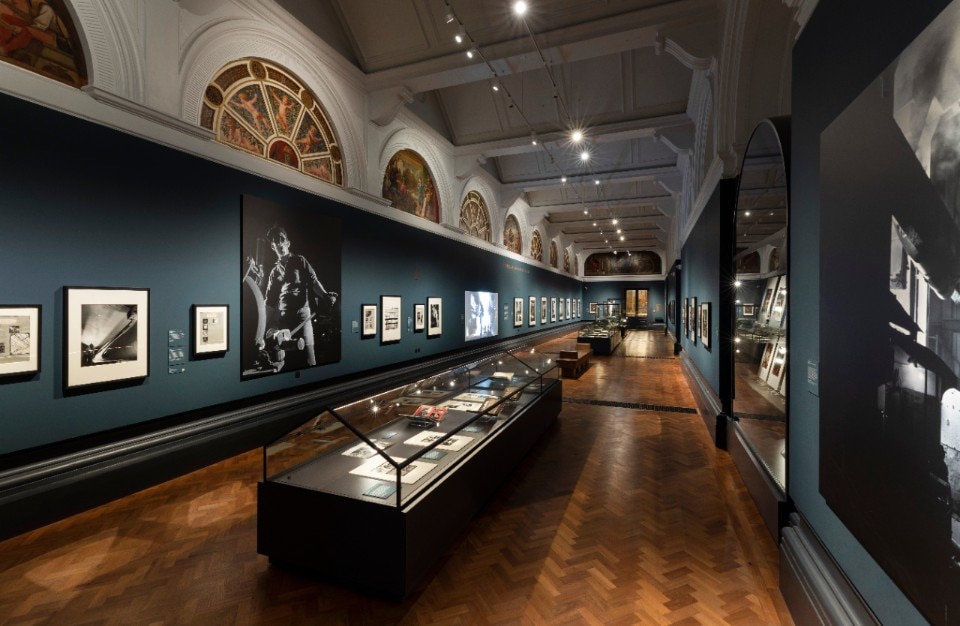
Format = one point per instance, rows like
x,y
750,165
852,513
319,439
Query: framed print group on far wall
x,y
106,335
19,340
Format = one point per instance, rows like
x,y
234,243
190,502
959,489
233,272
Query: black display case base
x,y
382,549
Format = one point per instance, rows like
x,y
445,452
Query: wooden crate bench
x,y
573,363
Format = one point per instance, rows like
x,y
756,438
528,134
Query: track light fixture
x,y
520,8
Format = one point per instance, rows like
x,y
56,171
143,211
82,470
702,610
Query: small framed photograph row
x,y
427,317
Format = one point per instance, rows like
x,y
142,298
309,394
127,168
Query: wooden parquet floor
x,y
617,516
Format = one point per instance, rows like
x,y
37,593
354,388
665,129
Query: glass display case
x,y
387,447
603,335
371,492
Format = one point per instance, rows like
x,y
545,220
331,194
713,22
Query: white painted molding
x,y
110,44
136,108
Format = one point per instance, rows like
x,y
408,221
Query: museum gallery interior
x,y
379,285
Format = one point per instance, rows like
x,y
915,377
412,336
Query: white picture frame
x,y
391,329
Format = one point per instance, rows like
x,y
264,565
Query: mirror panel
x,y
760,266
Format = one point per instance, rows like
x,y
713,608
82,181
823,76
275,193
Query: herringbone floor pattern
x,y
618,516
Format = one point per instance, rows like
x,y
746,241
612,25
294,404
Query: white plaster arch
x,y
413,139
110,48
228,40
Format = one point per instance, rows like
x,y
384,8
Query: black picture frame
x,y
106,336
391,328
368,320
419,318
210,330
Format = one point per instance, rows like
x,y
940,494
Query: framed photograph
x,y
543,309
705,324
553,309
419,317
593,309
683,316
692,321
390,307
517,312
106,335
210,332
560,308
434,317
568,309
532,312
748,310
368,320
19,340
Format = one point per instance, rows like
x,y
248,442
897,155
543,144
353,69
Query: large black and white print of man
x,y
291,283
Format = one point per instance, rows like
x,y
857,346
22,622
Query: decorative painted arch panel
x,y
474,216
536,246
553,253
42,38
258,107
566,261
410,187
512,238
633,263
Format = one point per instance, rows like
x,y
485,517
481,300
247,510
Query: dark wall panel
x,y
840,53
89,206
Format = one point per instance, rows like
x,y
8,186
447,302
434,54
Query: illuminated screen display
x,y
480,314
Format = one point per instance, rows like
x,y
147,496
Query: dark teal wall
x,y
840,52
89,206
700,279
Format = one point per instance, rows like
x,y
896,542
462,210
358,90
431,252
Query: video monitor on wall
x,y
480,314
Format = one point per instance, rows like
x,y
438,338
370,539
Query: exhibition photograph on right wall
x,y
890,319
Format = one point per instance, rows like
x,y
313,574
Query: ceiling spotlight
x,y
615,221
746,213
596,181
563,179
619,231
520,8
584,156
594,223
576,136
606,241
449,17
585,212
622,238
496,87
533,139
737,283
469,54
461,34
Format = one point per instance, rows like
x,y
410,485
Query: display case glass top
x,y
388,447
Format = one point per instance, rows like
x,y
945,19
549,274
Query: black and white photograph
x,y
380,469
19,340
210,332
569,313
290,286
481,319
692,321
452,443
419,317
560,309
368,320
532,312
518,312
890,347
106,335
553,309
390,330
434,317
704,328
543,310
